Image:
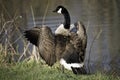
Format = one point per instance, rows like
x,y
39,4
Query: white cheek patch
x,y
69,65
59,11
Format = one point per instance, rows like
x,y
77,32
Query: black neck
x,y
67,20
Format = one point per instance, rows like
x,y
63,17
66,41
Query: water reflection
x,y
97,16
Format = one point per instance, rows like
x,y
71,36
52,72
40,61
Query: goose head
x,y
61,10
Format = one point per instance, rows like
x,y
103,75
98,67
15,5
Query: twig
x,y
11,21
16,40
3,7
33,15
34,52
45,12
96,37
87,26
7,42
23,52
5,25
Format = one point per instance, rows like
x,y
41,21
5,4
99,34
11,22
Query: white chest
x,y
61,30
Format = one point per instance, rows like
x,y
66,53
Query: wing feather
x,y
43,38
32,35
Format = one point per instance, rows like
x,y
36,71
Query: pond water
x,y
100,17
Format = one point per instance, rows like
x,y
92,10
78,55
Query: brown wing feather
x,y
47,46
32,35
83,36
43,38
79,40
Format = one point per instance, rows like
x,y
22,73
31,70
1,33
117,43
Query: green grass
x,y
33,71
30,70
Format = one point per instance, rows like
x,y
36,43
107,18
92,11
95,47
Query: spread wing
x,y
82,34
79,40
32,35
47,45
43,38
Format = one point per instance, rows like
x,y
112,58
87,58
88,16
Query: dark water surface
x,y
100,17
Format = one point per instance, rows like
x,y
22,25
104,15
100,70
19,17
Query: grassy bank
x,y
30,70
33,71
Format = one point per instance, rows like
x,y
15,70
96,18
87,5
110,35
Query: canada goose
x,y
64,28
52,48
68,47
78,39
